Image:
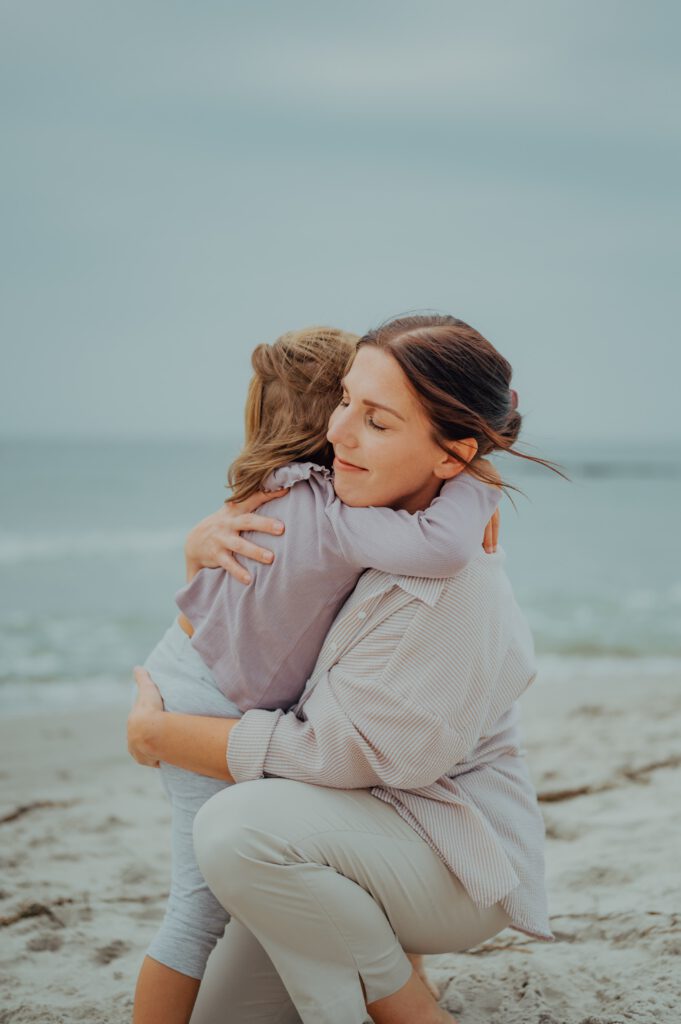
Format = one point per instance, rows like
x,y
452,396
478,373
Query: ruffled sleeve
x,y
286,476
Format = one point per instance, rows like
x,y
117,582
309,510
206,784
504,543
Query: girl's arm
x,y
437,542
215,541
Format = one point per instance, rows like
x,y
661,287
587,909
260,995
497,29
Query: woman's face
x,y
385,454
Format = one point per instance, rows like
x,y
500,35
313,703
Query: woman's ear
x,y
450,466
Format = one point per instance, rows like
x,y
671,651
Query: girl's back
x,y
261,640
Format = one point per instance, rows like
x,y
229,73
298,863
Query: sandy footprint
x,y
106,954
46,943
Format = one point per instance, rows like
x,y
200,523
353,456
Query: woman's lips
x,y
339,463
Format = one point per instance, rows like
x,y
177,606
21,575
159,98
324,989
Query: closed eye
x,y
344,402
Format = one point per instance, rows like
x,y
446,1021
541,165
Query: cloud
x,y
175,175
605,69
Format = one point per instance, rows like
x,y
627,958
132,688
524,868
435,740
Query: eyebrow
x,y
376,405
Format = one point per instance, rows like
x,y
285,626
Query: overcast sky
x,y
184,180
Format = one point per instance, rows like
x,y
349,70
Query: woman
x,y
401,816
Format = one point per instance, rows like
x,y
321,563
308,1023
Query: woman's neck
x,y
421,499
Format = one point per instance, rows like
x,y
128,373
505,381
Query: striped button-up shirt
x,y
413,696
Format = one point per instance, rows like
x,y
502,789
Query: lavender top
x,y
261,641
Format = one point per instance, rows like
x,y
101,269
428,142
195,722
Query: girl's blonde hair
x,y
295,387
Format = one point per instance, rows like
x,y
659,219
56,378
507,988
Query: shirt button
x,y
361,615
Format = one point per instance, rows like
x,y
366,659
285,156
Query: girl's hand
x,y
143,718
216,539
491,537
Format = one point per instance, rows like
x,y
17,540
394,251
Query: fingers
x,y
141,675
230,540
248,549
249,521
144,761
257,524
491,537
266,496
143,679
496,520
239,520
148,692
147,762
231,566
250,504
256,500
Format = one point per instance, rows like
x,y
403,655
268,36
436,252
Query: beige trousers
x,y
325,886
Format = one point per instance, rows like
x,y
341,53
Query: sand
x,y
84,861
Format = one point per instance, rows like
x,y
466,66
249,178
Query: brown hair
x,y
295,387
461,381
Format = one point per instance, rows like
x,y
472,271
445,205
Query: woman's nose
x,y
340,429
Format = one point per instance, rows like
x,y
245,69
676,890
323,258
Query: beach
x,y
85,835
88,585
190,183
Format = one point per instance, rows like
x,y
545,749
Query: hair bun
x,y
305,361
263,363
512,427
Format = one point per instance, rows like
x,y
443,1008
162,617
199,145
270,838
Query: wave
x,y
117,689
560,667
636,470
16,549
598,461
20,698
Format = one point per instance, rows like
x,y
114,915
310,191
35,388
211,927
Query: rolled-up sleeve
x,y
247,752
345,741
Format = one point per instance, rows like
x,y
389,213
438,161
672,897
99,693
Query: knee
x,y
215,832
233,838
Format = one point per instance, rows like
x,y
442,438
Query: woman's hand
x,y
143,718
216,539
196,743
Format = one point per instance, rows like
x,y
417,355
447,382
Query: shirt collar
x,y
422,589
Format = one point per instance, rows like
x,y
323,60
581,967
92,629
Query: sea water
x,y
91,554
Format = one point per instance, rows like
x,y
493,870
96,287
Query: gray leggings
x,y
194,920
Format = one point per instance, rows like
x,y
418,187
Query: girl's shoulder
x,y
295,472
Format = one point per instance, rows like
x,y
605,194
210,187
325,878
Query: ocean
x,y
91,554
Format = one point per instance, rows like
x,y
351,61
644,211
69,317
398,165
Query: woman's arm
x,y
197,744
374,727
406,704
399,721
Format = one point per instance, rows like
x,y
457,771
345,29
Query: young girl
x,y
238,647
